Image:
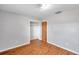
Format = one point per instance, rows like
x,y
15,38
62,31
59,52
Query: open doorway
x,y
38,30
35,30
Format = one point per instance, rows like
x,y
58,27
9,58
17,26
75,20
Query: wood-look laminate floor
x,y
35,48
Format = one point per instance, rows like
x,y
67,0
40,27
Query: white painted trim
x,y
14,47
64,48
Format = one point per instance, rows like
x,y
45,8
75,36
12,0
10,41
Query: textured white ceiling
x,y
34,9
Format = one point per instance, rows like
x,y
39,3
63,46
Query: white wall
x,y
63,29
14,30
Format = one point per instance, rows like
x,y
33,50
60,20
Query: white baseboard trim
x,y
14,47
48,42
64,48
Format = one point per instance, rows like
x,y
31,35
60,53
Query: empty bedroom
x,y
39,29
